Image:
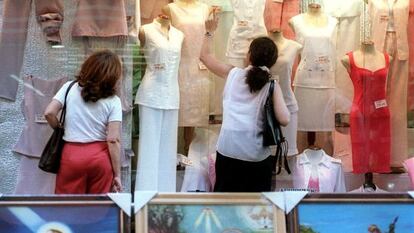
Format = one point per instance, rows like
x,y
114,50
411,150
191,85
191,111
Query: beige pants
x,y
397,101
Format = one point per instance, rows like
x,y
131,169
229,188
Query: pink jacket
x,y
379,18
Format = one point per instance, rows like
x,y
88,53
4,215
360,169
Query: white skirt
x,y
316,109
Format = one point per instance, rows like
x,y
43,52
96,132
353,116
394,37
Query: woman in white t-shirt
x,y
243,164
90,158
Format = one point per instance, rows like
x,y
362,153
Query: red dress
x,y
370,119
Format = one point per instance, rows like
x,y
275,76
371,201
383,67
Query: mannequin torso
x,y
165,23
367,52
314,17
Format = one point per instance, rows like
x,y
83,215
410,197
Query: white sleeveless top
x,y
159,87
241,132
248,23
318,57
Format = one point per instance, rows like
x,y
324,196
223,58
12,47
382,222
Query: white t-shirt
x,y
87,121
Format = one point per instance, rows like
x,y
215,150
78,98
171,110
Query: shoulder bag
x,y
272,133
52,153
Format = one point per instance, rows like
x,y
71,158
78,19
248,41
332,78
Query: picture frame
x,y
62,214
353,212
208,213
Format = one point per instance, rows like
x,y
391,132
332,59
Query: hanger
x,y
369,181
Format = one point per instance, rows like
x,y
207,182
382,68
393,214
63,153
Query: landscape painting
x,y
370,215
210,219
210,213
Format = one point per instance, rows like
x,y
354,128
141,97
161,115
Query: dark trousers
x,y
234,175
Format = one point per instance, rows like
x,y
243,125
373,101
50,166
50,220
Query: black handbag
x,y
272,133
52,153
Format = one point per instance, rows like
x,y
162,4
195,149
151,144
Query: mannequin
x,y
389,21
348,14
165,23
315,77
277,15
189,16
150,9
370,143
367,52
316,170
158,100
288,51
248,24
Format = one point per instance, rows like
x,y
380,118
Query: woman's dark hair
x,y
263,52
99,75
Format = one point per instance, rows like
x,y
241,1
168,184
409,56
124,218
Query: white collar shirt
x,y
329,170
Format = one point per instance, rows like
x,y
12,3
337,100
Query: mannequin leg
x,y
325,141
188,137
302,141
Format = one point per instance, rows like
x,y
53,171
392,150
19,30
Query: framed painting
x,y
371,213
61,214
210,213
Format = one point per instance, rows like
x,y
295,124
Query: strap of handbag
x,y
63,114
282,145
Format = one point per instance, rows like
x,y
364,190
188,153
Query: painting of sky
x,y
356,217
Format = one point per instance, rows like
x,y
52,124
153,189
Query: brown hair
x,y
262,52
99,75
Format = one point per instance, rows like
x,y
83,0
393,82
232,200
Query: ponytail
x,y
262,55
257,78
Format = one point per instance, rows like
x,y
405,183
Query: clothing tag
x,y
184,160
243,23
202,66
160,66
39,118
380,104
323,60
384,18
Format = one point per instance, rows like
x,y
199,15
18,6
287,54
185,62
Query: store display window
x,y
193,94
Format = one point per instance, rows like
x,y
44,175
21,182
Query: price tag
x,y
323,60
380,104
160,66
384,18
243,23
40,119
184,160
201,66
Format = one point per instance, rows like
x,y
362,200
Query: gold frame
x,y
293,217
141,217
66,200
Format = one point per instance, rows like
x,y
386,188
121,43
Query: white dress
x,y
194,81
348,15
282,71
315,77
158,99
248,23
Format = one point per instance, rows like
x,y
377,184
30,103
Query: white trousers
x,y
157,150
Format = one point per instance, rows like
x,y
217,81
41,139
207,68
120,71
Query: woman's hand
x,y
211,23
116,184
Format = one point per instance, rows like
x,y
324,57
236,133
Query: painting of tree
x,y
165,219
305,229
